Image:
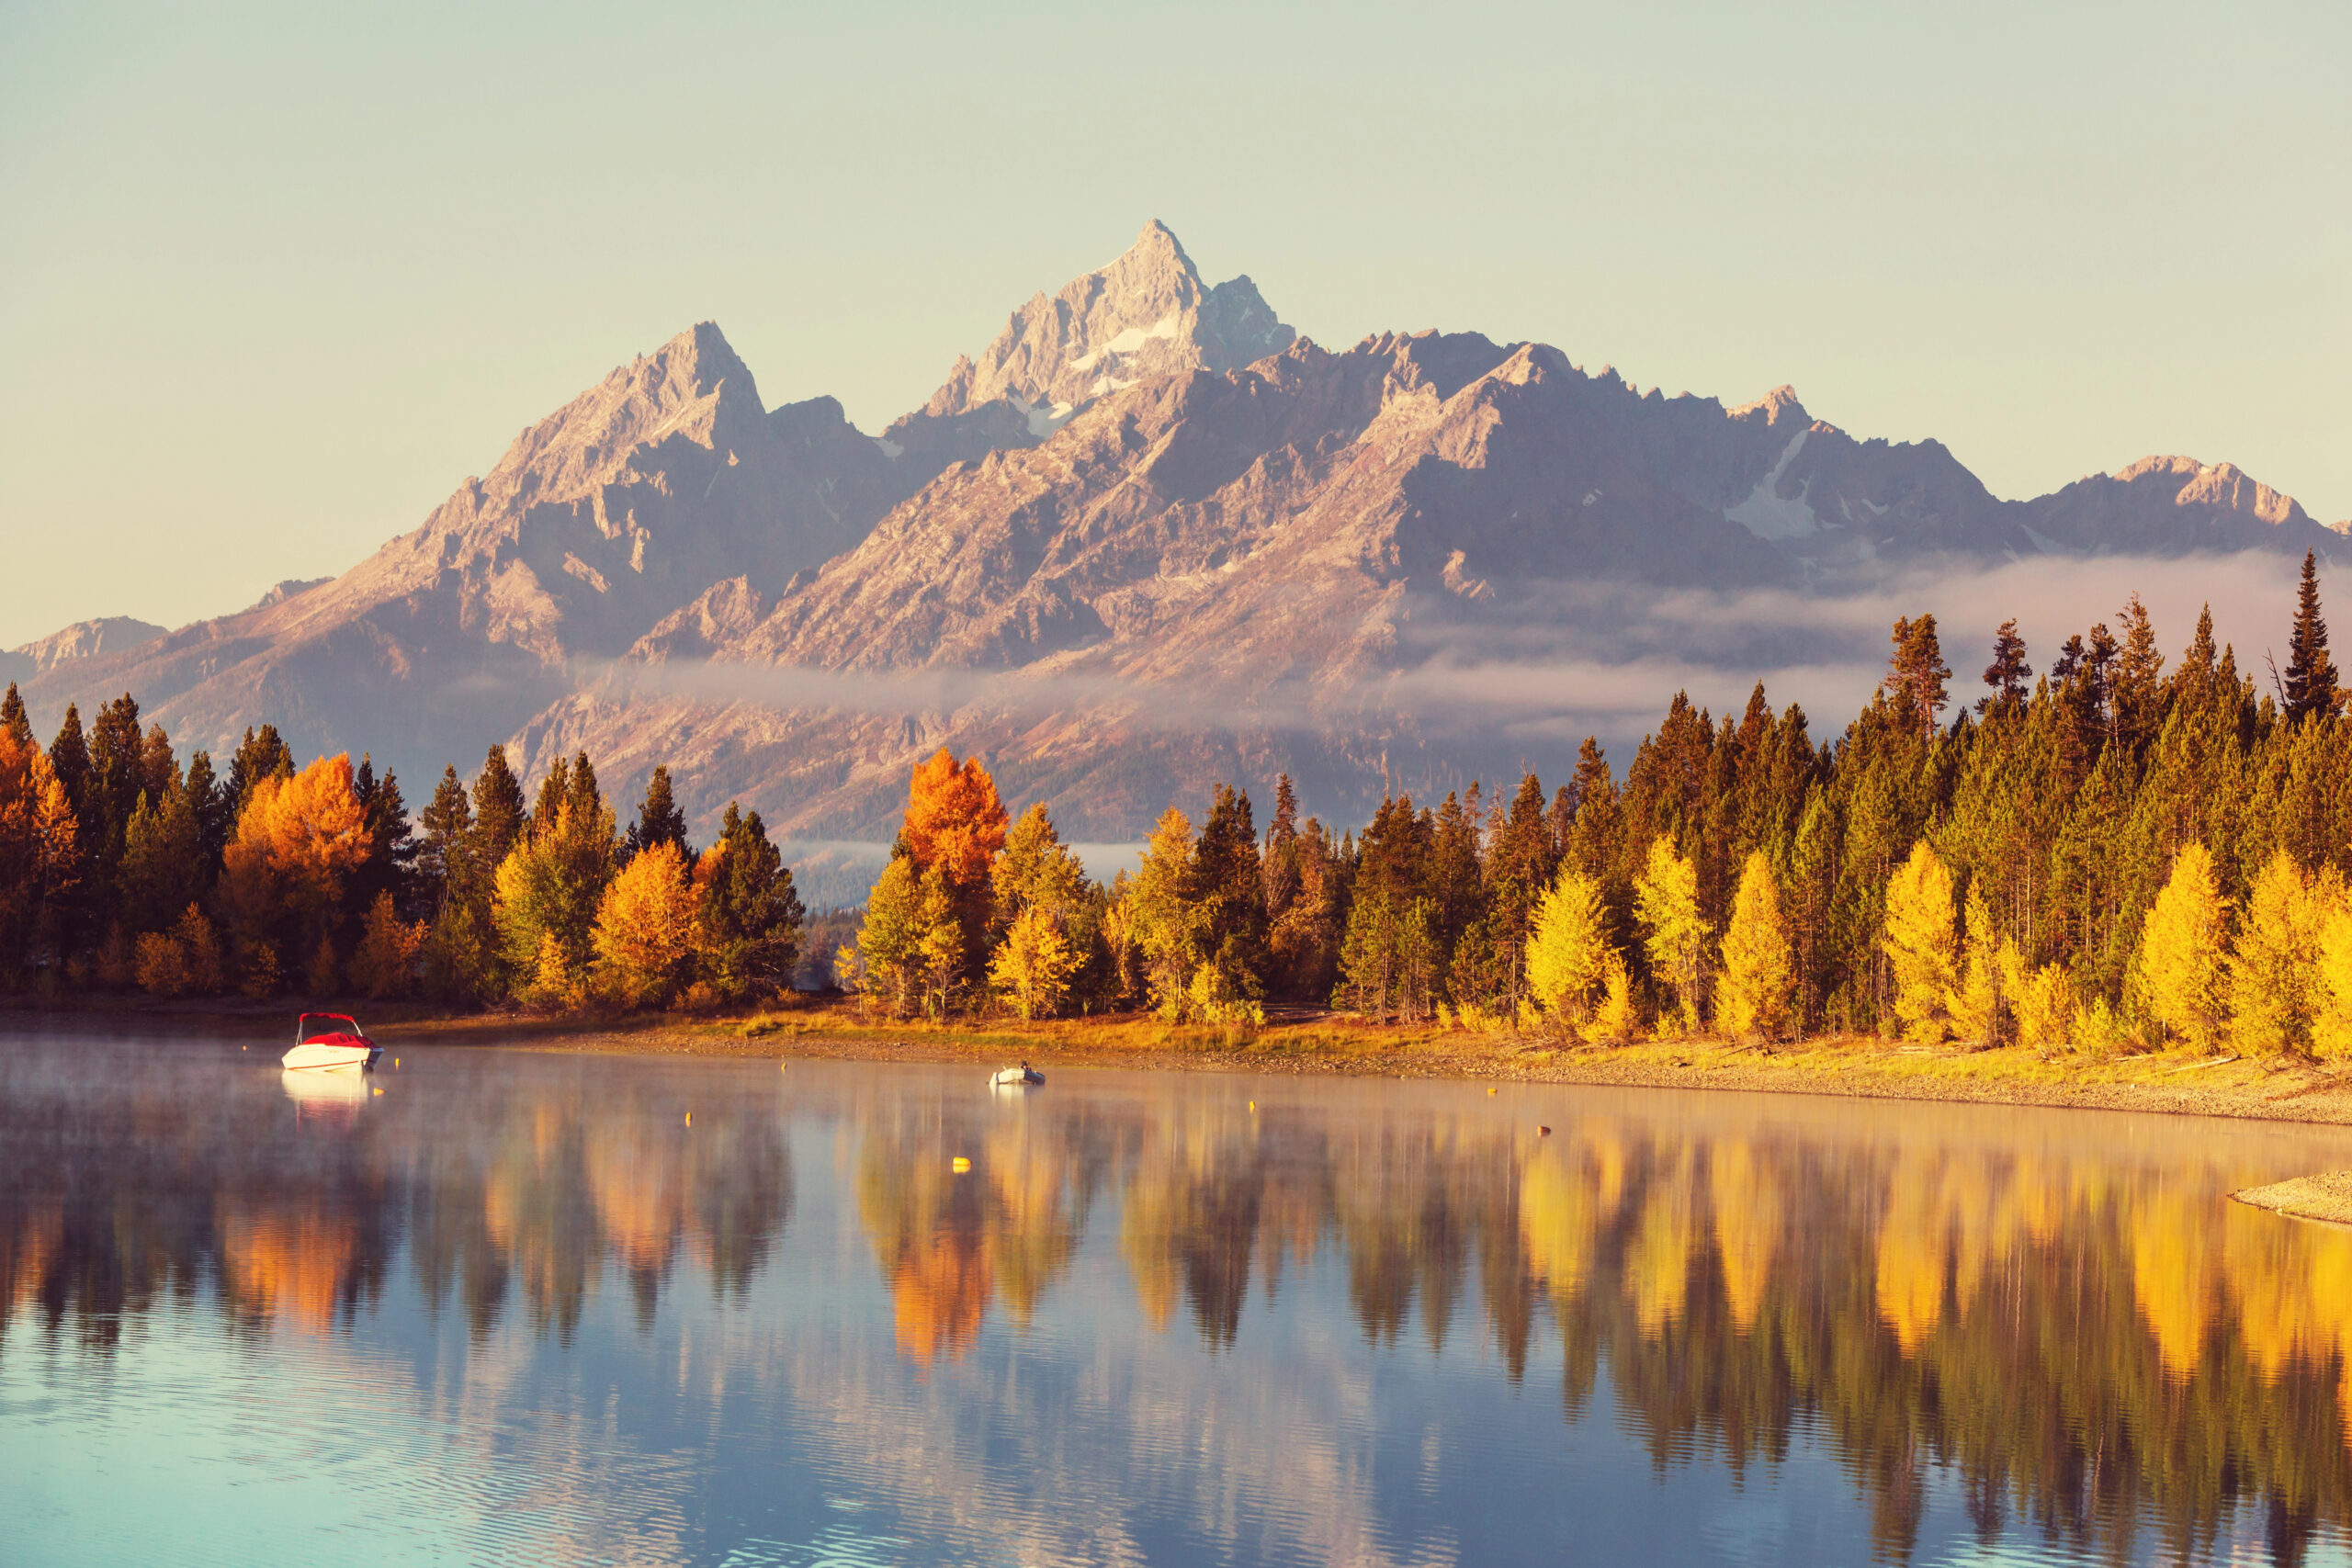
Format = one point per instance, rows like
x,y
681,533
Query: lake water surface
x,y
507,1305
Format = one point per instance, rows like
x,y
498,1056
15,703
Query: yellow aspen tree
x,y
1618,1017
1666,897
1976,1002
644,933
940,948
2181,963
1033,965
1758,981
890,940
2273,964
1566,950
1918,943
2332,1020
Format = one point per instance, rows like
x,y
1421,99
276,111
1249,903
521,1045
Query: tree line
x,y
2105,852
119,865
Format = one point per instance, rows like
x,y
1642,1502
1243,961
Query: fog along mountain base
x,y
1151,538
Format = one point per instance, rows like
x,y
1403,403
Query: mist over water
x,y
527,1306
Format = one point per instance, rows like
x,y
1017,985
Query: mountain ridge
x,y
1145,486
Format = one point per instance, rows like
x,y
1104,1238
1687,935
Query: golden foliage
x,y
1758,984
645,927
954,820
297,838
1918,942
1034,964
2274,965
2332,1012
1568,951
2181,965
1666,897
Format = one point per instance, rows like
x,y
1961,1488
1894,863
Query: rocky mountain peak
x,y
2222,486
1774,406
83,639
1146,313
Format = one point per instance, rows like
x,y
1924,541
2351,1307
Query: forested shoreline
x,y
2109,854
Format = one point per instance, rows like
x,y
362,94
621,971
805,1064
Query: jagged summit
x,y
1186,531
1778,406
1146,313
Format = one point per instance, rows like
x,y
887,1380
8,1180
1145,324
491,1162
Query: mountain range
x,y
1150,538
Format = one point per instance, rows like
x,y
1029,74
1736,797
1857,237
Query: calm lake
x,y
508,1305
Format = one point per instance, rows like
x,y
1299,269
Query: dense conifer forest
x,y
2115,850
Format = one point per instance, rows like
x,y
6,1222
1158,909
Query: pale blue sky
x,y
276,278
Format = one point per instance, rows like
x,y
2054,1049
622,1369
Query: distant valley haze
x,y
279,283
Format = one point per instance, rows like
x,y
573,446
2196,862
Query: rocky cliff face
x,y
83,639
599,521
1149,538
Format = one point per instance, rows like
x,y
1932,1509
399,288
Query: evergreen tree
x,y
658,821
2136,702
69,759
210,801
498,817
2309,687
1221,885
749,913
1915,674
260,755
448,822
389,868
1456,888
1518,868
2008,672
14,722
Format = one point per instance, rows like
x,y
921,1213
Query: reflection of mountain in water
x,y
2081,1329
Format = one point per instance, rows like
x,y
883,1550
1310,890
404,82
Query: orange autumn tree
x,y
954,826
297,840
40,852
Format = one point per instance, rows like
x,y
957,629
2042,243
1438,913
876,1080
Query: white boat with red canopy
x,y
329,1041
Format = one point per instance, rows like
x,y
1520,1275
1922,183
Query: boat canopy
x,y
302,1029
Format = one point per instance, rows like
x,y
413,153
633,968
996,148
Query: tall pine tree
x,y
2309,686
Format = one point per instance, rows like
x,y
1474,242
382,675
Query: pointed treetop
x,y
2309,686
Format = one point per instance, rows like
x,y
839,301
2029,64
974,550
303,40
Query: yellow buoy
x,y
1253,1105
1490,1089
690,1118
962,1165
379,1091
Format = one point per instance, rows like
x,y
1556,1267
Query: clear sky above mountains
x,y
274,279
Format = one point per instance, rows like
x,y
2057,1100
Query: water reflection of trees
x,y
2088,1341
118,1201
2088,1337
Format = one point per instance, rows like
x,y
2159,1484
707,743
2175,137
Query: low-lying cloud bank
x,y
1566,659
